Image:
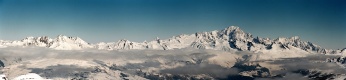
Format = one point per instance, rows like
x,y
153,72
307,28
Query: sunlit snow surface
x,y
184,64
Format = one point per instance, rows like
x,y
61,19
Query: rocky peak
x,y
61,38
28,38
235,33
44,39
231,29
295,38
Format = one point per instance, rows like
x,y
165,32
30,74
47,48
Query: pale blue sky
x,y
322,22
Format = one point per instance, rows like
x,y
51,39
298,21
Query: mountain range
x,y
230,38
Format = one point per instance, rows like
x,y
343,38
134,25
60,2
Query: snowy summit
x,y
230,38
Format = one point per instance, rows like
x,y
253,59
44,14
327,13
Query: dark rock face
x,y
2,64
44,39
316,75
341,60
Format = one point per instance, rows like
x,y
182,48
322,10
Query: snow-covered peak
x,y
123,41
235,33
287,40
157,38
62,42
61,37
64,38
295,38
227,39
230,29
233,30
28,38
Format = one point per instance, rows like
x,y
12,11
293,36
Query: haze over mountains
x,y
230,38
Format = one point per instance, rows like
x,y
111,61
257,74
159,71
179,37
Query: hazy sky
x,y
322,22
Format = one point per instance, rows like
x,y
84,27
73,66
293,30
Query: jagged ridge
x,y
230,38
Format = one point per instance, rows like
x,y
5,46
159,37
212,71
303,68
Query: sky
x,y
322,22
